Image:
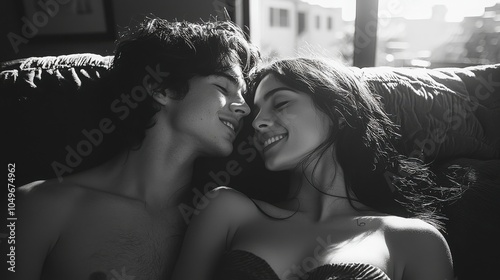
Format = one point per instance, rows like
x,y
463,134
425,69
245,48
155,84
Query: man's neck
x,y
155,174
156,178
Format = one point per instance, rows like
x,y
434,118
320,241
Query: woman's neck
x,y
319,190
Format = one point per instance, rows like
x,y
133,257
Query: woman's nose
x,y
261,122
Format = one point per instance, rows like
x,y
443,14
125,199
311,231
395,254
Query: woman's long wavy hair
x,y
362,135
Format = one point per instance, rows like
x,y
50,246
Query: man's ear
x,y
165,96
161,97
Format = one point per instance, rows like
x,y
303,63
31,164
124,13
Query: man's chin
x,y
221,151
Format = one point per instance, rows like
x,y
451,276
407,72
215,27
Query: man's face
x,y
210,114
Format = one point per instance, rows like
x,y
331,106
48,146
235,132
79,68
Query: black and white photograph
x,y
250,139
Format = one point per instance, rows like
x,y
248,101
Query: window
x,y
272,20
278,17
408,33
301,23
297,28
438,35
284,18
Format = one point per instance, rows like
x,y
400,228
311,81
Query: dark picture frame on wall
x,y
69,19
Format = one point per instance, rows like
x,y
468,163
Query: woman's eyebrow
x,y
268,94
273,91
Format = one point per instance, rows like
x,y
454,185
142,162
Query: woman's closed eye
x,y
280,105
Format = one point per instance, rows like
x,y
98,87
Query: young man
x,y
175,95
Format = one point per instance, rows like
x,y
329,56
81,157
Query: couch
x,y
449,117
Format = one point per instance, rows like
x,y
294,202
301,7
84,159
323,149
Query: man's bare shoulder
x,y
60,199
43,209
52,191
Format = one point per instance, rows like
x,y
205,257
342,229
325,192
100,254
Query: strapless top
x,y
243,265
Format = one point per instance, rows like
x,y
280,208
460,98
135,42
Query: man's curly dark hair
x,y
159,54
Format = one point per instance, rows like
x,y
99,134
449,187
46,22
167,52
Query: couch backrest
x,y
35,93
443,113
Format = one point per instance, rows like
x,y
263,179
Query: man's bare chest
x,y
119,245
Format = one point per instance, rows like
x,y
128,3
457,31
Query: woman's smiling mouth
x,y
272,140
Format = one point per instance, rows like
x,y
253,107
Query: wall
x,y
284,41
276,41
321,41
123,13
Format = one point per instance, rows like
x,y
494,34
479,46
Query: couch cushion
x,y
38,94
68,71
443,113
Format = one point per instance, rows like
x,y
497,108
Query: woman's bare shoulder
x,y
418,247
396,223
234,203
225,202
401,230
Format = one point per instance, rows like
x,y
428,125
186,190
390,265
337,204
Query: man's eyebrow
x,y
233,78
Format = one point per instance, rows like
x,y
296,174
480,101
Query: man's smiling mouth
x,y
228,124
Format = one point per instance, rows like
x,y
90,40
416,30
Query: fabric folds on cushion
x,y
38,94
52,72
443,113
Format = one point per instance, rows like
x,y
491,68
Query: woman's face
x,y
287,124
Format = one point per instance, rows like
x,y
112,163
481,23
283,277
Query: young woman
x,y
341,219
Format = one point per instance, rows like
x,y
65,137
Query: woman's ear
x,y
342,123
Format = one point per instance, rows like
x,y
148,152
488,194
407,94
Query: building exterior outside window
x,y
409,33
279,17
292,29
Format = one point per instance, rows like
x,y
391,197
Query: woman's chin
x,y
274,165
